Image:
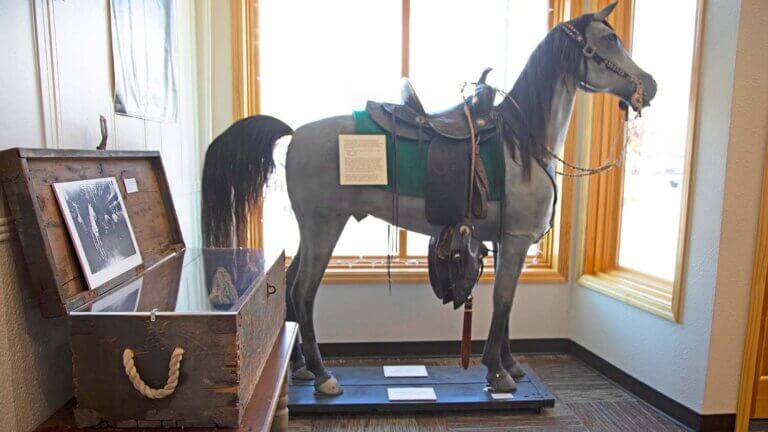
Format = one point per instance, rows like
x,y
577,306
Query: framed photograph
x,y
99,227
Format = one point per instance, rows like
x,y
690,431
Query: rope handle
x,y
142,387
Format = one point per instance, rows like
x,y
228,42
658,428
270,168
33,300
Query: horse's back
x,y
312,165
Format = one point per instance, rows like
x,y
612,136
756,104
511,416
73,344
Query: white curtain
x,y
144,56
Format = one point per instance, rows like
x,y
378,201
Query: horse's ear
x,y
603,14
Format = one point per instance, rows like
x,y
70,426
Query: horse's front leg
x,y
513,251
509,362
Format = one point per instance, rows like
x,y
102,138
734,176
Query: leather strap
x,y
466,331
466,334
590,52
473,153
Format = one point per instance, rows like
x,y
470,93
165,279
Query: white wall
x,y
368,313
221,62
697,361
35,362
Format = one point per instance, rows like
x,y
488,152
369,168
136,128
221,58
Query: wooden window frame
x,y
600,268
550,266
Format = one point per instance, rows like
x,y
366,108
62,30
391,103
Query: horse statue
x,y
532,119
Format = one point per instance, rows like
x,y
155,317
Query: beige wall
x,y
34,353
35,364
747,141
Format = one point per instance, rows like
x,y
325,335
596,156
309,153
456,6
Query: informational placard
x,y
362,160
498,396
405,371
396,394
130,185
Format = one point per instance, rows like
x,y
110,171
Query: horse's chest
x,y
529,203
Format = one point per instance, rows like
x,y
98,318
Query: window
x,y
318,59
636,217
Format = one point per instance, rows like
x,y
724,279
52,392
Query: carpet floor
x,y
586,402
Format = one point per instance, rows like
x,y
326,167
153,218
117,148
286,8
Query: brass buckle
x,y
588,50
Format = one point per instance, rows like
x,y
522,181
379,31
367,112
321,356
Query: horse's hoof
x,y
501,382
329,387
516,372
302,373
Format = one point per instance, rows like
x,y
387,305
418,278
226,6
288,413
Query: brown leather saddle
x,y
456,185
450,150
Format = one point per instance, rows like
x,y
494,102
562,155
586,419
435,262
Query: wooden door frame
x,y
757,313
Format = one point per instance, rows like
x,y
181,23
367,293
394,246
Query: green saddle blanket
x,y
412,160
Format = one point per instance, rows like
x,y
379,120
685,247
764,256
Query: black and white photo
x,y
98,223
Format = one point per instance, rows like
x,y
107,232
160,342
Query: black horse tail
x,y
237,165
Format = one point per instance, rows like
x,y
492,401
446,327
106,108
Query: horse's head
x,y
607,66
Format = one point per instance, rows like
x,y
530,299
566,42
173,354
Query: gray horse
x,y
583,53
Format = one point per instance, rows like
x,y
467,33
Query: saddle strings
x,y
392,229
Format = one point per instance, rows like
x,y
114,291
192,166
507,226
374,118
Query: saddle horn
x,y
484,75
482,100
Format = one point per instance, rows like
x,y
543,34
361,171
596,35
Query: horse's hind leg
x,y
298,365
319,234
513,251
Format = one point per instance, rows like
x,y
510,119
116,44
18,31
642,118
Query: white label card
x,y
405,371
411,394
502,396
130,185
362,160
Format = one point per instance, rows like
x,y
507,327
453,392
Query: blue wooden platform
x,y
365,390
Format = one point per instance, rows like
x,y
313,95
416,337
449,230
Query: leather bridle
x,y
590,53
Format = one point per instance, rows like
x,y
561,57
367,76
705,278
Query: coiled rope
x,y
142,387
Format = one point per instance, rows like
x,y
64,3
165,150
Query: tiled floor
x,y
586,401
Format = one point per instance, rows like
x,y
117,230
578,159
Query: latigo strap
x,y
466,334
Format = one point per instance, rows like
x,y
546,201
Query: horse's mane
x,y
557,57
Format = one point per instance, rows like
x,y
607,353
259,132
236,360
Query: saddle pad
x,y
412,160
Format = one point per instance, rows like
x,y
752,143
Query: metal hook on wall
x,y
104,133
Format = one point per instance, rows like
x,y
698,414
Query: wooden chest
x,y
180,340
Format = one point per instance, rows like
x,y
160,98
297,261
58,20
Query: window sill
x,y
373,270
641,291
535,275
